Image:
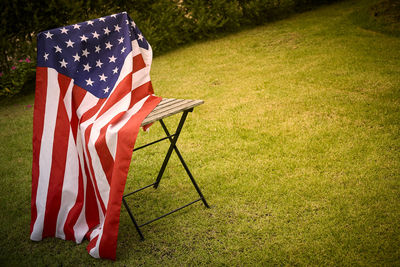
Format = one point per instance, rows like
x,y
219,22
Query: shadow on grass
x,y
382,16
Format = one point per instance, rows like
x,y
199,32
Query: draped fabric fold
x,y
93,90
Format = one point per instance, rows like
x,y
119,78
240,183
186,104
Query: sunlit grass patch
x,y
296,149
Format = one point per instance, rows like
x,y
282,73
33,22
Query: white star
x,y
86,67
112,59
103,77
63,63
140,37
76,57
83,38
99,63
85,53
117,28
49,35
89,82
114,15
70,43
102,19
58,49
123,49
90,22
133,24
46,56
106,31
96,35
76,26
64,30
106,90
115,70
97,49
108,45
127,22
121,40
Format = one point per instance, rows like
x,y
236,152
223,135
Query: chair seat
x,y
168,107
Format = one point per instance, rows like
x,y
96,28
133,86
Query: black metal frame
x,y
173,138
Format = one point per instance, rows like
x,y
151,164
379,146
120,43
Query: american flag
x,y
93,90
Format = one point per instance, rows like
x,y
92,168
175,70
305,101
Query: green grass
x,y
296,149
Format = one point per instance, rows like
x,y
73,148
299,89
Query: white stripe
x,y
128,63
111,140
140,77
68,99
87,103
100,122
86,158
89,98
81,227
125,70
83,127
70,186
147,55
46,151
94,252
101,179
112,131
135,48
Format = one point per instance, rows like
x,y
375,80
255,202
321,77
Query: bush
x,y
13,81
166,24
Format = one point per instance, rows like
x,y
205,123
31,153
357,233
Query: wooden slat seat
x,y
168,107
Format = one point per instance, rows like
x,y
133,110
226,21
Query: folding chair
x,y
167,107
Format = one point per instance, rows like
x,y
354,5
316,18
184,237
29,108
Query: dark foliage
x,y
166,24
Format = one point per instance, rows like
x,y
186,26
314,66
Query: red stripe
x,y
92,243
75,211
77,97
90,165
60,148
103,152
140,92
106,159
63,82
38,123
91,112
126,141
91,209
78,94
138,63
123,88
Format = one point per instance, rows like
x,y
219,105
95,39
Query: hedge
x,y
167,24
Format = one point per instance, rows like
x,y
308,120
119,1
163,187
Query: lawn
x,y
296,149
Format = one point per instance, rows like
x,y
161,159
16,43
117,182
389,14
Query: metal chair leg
x,y
173,139
173,145
133,219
